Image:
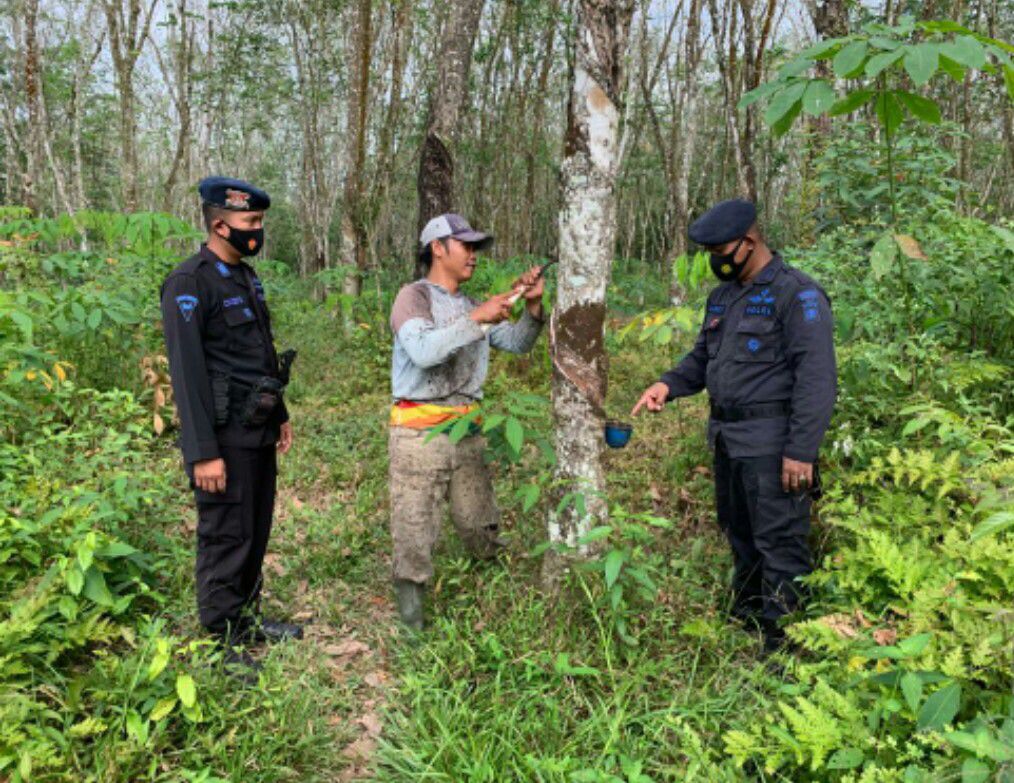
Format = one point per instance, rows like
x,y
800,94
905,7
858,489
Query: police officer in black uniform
x,y
228,383
766,356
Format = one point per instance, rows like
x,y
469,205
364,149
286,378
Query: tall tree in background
x,y
128,24
435,182
587,240
354,228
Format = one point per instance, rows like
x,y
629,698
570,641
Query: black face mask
x,y
246,242
725,266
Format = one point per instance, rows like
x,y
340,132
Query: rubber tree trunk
x,y
587,238
435,183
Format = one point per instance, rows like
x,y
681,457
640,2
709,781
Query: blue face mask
x,y
725,267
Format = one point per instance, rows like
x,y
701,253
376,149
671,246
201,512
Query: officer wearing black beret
x,y
228,384
765,354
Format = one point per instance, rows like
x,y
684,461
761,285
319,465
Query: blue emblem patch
x,y
187,304
764,297
753,345
811,305
223,269
233,301
717,309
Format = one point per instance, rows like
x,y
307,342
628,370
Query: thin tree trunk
x,y
33,100
587,237
435,183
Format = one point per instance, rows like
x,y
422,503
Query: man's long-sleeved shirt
x,y
768,341
440,354
217,330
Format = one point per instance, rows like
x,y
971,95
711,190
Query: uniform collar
x,y
767,274
224,268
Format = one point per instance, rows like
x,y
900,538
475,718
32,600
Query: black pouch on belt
x,y
261,402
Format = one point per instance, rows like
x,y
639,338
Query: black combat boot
x,y
272,631
410,602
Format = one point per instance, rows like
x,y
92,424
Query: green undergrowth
x,y
630,673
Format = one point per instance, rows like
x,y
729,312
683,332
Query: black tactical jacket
x,y
768,341
219,343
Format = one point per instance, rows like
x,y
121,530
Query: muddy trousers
x,y
767,529
424,479
232,536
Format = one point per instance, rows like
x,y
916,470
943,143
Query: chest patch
x,y
233,301
759,309
763,298
753,345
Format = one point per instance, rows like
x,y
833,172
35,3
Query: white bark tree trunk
x,y
587,238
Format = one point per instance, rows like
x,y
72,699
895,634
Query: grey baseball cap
x,y
452,225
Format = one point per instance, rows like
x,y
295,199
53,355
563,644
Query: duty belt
x,y
768,410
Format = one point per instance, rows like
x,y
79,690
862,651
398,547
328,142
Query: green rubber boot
x,y
410,602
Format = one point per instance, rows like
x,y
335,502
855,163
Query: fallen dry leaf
x,y
346,649
885,636
377,679
371,723
841,624
361,749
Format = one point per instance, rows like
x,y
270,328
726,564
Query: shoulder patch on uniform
x,y
223,269
810,300
259,287
187,304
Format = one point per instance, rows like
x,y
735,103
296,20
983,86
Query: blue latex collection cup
x,y
618,434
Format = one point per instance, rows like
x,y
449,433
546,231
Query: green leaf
x,y
595,534
514,433
846,758
940,708
781,127
529,497
784,101
818,98
995,523
848,61
889,111
94,319
186,689
915,645
614,562
1006,235
921,62
851,102
926,109
974,771
965,50
75,580
878,62
952,68
821,49
460,429
95,588
493,422
1008,78
162,708
911,688
758,93
882,256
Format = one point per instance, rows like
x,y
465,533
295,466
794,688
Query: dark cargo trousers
x,y
767,530
232,537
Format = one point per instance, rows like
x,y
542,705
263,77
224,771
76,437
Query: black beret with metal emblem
x,y
724,222
235,194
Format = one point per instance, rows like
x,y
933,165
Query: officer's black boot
x,y
410,602
236,660
272,631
